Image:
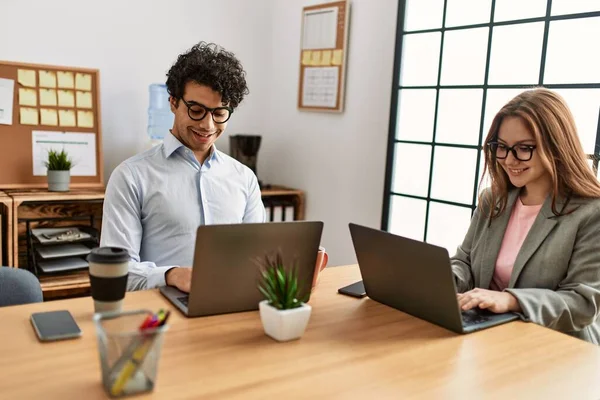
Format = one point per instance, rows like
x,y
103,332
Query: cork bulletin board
x,y
324,48
46,107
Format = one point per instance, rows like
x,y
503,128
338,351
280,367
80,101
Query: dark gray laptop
x,y
225,273
416,278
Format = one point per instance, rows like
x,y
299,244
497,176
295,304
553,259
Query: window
x,y
457,63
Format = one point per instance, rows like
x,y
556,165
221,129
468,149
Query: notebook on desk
x,y
416,278
225,272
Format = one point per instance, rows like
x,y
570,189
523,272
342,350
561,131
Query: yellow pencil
x,y
138,355
131,366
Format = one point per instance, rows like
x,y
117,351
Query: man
x,y
156,200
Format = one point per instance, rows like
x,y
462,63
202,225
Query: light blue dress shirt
x,y
156,200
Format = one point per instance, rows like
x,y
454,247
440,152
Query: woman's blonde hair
x,y
549,119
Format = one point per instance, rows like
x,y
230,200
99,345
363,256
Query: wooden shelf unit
x,y
45,209
295,196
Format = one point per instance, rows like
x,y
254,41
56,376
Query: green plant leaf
x,y
278,283
266,294
281,280
58,161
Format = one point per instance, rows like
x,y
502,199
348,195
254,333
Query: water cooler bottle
x,y
160,117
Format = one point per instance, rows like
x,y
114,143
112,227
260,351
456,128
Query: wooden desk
x,y
351,349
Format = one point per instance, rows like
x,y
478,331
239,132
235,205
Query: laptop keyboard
x,y
184,300
475,316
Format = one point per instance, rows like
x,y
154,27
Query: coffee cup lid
x,y
108,255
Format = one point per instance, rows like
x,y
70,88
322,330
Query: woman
x,y
533,246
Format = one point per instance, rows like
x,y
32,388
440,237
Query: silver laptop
x,y
416,278
225,272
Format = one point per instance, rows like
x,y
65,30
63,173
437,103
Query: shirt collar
x,y
215,155
171,144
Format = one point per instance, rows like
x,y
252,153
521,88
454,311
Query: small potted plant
x,y
283,314
59,171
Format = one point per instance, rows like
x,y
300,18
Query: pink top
x,y
521,220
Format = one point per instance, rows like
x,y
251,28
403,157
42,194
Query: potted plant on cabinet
x,y
59,171
283,314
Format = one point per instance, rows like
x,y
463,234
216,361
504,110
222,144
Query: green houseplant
x,y
283,313
59,170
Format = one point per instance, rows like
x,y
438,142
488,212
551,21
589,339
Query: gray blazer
x,y
556,276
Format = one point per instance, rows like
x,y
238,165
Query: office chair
x,y
18,286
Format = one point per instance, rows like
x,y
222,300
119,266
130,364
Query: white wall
x,y
338,159
133,43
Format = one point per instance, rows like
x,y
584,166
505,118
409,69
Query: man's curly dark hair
x,y
211,65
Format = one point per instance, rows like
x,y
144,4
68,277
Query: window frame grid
x,y
397,87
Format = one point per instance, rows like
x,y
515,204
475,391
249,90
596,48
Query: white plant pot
x,y
284,325
58,181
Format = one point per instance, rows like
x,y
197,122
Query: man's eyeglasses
x,y
522,152
197,112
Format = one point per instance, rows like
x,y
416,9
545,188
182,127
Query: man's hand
x,y
497,302
179,277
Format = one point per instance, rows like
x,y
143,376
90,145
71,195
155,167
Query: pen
x,y
144,324
164,321
156,320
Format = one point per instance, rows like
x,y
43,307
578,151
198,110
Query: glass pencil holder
x,y
128,356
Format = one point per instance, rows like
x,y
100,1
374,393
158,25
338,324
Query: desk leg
x,y
7,220
299,207
9,233
15,235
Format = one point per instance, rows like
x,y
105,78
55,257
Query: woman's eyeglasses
x,y
522,152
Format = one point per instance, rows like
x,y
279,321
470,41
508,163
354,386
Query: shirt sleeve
x,y
122,227
255,209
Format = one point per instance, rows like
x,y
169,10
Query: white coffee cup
x,y
109,267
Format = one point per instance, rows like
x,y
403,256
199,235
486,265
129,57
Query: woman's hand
x,y
497,302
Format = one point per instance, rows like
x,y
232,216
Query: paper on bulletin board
x,y
47,79
29,116
306,55
85,119
66,98
315,59
7,87
81,148
65,80
48,116
26,77
27,97
319,30
47,97
326,58
84,99
66,118
83,81
320,87
337,57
